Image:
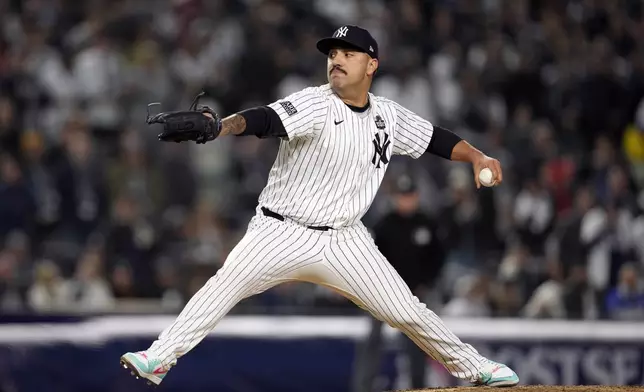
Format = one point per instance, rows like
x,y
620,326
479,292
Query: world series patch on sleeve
x,y
288,107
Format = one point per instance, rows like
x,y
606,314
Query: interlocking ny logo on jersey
x,y
380,153
341,32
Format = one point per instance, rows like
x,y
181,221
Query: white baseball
x,y
486,178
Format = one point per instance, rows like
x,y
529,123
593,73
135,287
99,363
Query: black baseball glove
x,y
187,125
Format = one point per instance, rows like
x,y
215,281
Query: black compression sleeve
x,y
443,142
262,122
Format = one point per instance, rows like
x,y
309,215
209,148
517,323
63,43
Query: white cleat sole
x,y
152,379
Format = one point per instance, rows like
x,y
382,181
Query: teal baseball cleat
x,y
145,365
494,374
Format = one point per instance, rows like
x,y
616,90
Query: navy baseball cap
x,y
350,36
405,185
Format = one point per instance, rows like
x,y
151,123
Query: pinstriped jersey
x,y
329,168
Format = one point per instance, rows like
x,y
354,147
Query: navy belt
x,y
277,216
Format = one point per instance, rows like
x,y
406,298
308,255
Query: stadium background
x,y
97,217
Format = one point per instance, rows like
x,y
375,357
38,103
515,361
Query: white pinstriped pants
x,y
346,260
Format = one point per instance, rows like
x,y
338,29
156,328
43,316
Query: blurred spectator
x,y
480,109
18,245
80,183
88,290
626,300
540,150
601,95
518,135
410,239
180,183
547,300
448,96
494,59
507,298
122,282
11,299
42,185
470,299
98,72
567,235
408,84
131,240
205,236
17,270
191,63
132,172
170,285
603,157
578,299
534,214
558,177
461,217
633,145
147,62
49,291
525,86
619,191
638,232
16,203
9,130
605,233
513,282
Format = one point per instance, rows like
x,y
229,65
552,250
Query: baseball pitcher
x,y
336,141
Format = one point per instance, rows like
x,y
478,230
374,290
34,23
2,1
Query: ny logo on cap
x,y
341,32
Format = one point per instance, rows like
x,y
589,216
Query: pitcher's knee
x,y
405,318
412,313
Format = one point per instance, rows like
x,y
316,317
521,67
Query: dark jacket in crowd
x,y
412,246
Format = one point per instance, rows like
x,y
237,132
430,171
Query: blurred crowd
x,y
94,210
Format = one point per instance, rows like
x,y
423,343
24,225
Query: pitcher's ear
x,y
372,67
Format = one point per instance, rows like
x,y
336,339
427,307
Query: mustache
x,y
338,68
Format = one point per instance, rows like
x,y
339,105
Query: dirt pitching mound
x,y
538,388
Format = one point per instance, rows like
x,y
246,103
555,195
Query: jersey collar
x,y
359,109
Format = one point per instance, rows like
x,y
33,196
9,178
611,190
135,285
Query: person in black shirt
x,y
409,239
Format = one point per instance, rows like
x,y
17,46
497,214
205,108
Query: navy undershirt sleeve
x,y
263,122
443,142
